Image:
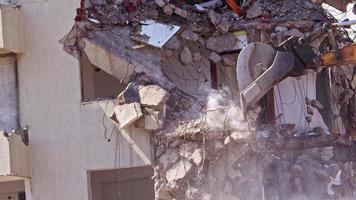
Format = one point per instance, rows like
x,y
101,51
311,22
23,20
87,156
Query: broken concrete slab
x,y
180,12
255,10
168,9
190,35
214,57
114,65
316,104
186,56
154,120
160,3
196,57
224,26
127,114
197,157
215,18
186,150
173,43
178,170
225,43
161,193
153,96
293,32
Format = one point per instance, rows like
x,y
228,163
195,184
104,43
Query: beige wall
x,y
66,137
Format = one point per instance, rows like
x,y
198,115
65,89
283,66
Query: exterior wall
x,y
4,156
66,136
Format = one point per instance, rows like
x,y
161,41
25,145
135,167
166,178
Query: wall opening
x,y
12,190
8,93
122,184
97,84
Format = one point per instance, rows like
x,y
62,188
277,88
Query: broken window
x,y
121,184
97,84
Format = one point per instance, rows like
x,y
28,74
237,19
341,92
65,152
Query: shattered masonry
x,y
204,149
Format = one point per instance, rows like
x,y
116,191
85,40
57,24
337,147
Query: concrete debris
x,y
172,187
196,157
186,56
280,29
346,96
196,57
181,12
293,32
310,110
308,119
178,170
160,3
154,120
255,10
227,141
334,181
161,192
238,135
190,35
316,104
225,43
127,114
168,9
308,101
224,26
173,44
153,96
228,62
214,57
215,18
187,149
168,159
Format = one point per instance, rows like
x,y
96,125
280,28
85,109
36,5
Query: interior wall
x,y
290,103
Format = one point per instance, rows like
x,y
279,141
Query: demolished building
x,y
176,62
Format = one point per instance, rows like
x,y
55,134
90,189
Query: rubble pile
x,y
203,147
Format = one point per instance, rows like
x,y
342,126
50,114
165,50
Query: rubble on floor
x,y
203,147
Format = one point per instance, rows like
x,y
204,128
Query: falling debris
x,y
127,114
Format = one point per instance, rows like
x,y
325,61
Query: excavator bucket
x,y
259,68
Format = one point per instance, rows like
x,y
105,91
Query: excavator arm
x,y
344,56
292,58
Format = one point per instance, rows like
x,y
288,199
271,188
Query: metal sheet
x,y
156,34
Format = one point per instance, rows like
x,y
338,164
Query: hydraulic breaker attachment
x,y
293,57
282,65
